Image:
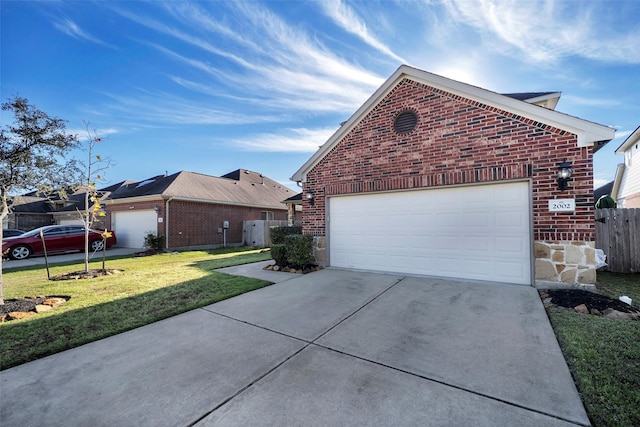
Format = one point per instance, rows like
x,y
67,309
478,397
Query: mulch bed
x,y
596,304
28,305
294,269
91,274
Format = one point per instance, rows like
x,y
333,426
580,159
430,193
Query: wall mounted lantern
x,y
564,174
157,209
310,197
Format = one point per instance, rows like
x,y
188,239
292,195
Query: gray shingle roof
x,y
238,187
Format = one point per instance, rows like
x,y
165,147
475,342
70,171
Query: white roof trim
x,y
632,139
617,181
586,132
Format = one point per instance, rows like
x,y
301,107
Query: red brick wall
x,y
196,224
456,141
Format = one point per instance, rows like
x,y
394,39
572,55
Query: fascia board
x,y
224,202
587,132
617,181
632,139
138,199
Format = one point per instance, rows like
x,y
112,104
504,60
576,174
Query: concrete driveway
x,y
330,348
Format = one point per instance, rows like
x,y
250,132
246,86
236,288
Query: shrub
x,y
299,249
153,242
279,254
279,233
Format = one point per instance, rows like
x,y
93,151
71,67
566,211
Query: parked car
x,y
58,238
11,232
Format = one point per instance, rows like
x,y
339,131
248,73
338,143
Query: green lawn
x,y
604,355
148,289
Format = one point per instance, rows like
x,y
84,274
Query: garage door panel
x,y
132,226
478,232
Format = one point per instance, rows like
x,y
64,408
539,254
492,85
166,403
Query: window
x,y
266,216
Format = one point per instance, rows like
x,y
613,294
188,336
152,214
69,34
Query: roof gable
x,y
587,132
632,139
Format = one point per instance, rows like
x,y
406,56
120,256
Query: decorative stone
x,y
590,255
573,255
17,315
545,270
541,250
568,276
581,309
587,276
54,302
558,256
610,313
41,308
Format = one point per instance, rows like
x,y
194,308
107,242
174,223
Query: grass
x,y
148,289
604,355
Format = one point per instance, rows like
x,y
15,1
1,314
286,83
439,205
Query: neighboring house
x,y
33,210
436,177
194,210
294,207
626,187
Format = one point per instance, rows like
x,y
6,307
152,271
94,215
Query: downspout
x,y
166,223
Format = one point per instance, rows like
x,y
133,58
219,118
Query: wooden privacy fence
x,y
618,235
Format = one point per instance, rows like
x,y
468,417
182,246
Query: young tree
x,y
93,199
33,150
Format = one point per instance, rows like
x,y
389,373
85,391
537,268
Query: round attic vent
x,y
405,122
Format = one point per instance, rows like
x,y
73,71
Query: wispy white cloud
x,y
70,28
281,66
592,102
544,30
162,107
347,19
299,140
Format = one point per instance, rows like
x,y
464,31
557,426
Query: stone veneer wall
x,y
319,250
571,262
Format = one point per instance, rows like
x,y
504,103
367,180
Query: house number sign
x,y
562,205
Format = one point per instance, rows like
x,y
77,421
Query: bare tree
x,y
33,155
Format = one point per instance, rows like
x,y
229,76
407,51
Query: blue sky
x,y
211,87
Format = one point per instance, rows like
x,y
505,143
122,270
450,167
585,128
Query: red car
x,y
58,238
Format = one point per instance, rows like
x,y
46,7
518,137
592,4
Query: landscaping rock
x,y
581,309
17,315
41,308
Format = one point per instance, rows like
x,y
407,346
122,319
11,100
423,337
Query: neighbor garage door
x,y
131,227
477,232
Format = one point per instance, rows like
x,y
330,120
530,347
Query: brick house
x,y
436,177
194,210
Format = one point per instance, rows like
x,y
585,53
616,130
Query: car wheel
x,y
20,252
96,245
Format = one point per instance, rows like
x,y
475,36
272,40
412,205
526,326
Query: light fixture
x,y
564,174
310,197
157,209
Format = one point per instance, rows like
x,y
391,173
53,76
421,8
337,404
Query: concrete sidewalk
x,y
329,348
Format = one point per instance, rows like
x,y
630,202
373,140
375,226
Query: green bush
x,y
299,249
153,242
279,233
279,254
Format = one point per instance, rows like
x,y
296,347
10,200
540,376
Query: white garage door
x,y
477,232
131,227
